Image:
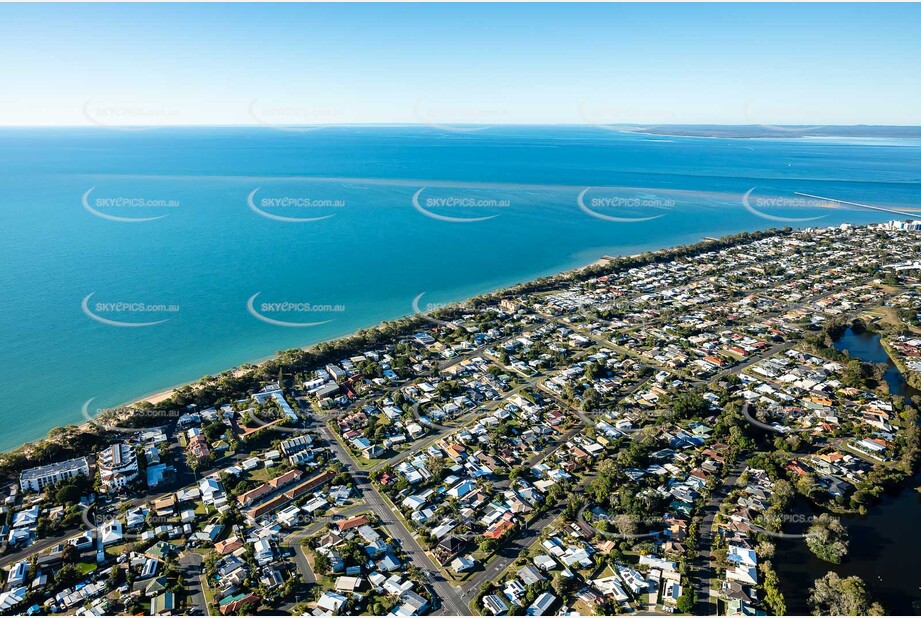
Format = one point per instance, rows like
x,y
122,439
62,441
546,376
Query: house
x,y
326,390
18,575
26,518
348,584
262,552
231,605
494,604
498,529
253,495
352,522
742,556
149,569
83,541
735,591
9,600
449,547
291,515
19,535
372,451
542,604
296,444
514,590
228,545
388,563
198,445
331,602
153,587
415,430
369,534
396,585
411,604
161,550
111,532
576,556
163,604
462,489
743,574
256,495
212,492
166,506
545,562
611,586
462,564
530,575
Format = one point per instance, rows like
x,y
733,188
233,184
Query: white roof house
x,y
462,564
742,556
331,602
111,532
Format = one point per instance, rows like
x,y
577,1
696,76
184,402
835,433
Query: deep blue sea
x,y
104,231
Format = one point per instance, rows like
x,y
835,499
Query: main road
x,y
450,597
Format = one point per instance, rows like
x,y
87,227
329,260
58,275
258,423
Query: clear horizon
x,y
448,64
256,125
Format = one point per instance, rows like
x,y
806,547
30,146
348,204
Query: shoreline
x,y
770,131
163,395
88,426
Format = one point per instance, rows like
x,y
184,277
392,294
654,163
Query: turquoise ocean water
x,y
390,212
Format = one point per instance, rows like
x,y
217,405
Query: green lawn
x,y
207,593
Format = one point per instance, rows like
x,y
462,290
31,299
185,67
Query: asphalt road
x,y
704,571
450,597
510,551
191,564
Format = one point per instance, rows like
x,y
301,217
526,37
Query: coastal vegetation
x,y
827,539
773,597
641,428
833,595
228,386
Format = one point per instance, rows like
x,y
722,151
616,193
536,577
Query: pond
x,y
885,545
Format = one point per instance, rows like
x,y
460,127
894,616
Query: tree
x,y
765,550
689,405
321,563
854,374
197,464
842,596
783,493
773,597
435,465
590,400
574,504
626,523
685,602
607,607
827,539
67,494
806,484
66,575
592,370
563,584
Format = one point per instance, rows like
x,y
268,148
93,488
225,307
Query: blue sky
x,y
451,63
